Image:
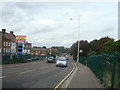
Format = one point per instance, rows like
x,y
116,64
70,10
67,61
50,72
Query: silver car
x,y
61,61
51,60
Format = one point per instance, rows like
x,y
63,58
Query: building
x,y
11,36
8,43
40,51
27,48
36,51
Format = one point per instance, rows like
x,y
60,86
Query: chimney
x,y
11,32
3,30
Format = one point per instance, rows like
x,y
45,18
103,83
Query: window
x,y
4,43
10,43
4,49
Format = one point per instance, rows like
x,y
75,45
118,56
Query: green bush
x,y
90,53
14,60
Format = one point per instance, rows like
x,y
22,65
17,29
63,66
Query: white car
x,y
61,61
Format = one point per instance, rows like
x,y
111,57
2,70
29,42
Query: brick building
x,y
27,48
40,51
8,43
35,51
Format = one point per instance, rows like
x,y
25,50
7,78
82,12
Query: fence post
x,y
113,73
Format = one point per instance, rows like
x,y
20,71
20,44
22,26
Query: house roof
x,y
8,36
36,49
11,37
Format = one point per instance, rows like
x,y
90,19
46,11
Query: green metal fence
x,y
83,60
105,67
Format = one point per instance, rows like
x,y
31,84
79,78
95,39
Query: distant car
x,y
61,61
50,60
29,59
36,58
67,58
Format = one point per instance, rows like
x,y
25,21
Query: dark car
x,y
36,58
50,60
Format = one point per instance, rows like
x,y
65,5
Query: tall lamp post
x,y
50,51
78,51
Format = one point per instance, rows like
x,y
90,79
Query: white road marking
x,y
25,72
3,77
71,76
65,79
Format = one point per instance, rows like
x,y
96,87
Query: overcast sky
x,y
49,24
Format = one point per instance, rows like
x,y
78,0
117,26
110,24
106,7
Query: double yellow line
x,y
65,77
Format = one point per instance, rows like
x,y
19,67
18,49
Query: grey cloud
x,y
15,12
45,29
22,18
110,29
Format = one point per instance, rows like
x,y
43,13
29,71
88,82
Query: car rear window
x,y
61,59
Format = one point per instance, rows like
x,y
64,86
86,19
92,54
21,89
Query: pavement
x,y
84,78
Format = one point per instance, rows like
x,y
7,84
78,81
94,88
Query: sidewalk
x,y
84,78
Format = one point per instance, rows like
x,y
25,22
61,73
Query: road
x,y
38,74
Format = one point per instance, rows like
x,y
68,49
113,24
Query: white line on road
x,y
3,77
70,78
65,78
26,71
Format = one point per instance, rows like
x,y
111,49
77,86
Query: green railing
x,y
105,67
83,60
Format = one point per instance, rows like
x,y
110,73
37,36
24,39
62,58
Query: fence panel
x,y
105,67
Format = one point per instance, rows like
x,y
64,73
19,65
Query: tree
x,y
110,46
101,42
73,49
44,47
84,45
67,50
96,45
60,49
90,53
93,45
54,52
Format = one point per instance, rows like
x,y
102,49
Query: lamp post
x,y
50,51
78,51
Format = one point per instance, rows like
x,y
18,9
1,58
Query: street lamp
x,y
78,54
50,51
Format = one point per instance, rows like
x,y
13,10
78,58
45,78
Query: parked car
x,y
36,58
29,59
50,60
61,61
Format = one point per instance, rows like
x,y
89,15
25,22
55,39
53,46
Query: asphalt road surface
x,y
37,74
